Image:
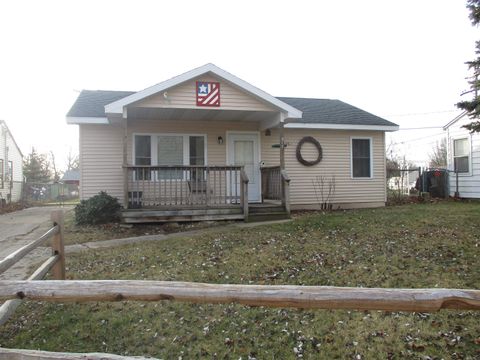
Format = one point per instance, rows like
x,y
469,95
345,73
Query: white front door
x,y
244,150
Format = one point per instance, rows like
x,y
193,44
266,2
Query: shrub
x,y
99,209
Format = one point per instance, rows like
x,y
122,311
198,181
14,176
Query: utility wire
x,y
420,128
424,113
420,138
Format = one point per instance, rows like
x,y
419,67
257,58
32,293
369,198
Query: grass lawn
x,y
421,245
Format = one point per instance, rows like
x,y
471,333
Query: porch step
x,y
180,215
268,216
254,209
266,212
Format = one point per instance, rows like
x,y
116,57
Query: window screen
x,y
361,158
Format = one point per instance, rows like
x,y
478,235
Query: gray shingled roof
x,y
91,103
326,111
71,175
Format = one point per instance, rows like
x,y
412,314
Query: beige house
x,y
208,145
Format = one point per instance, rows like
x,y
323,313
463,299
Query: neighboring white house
x,y
463,156
11,170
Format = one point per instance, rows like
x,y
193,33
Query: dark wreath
x,y
311,140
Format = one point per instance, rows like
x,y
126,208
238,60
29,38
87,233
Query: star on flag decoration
x,y
208,93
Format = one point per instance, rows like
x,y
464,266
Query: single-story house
x,y
208,145
11,166
463,158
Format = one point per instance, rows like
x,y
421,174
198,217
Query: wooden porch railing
x,y
183,186
55,263
276,185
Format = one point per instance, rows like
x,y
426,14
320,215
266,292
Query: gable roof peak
x,y
117,106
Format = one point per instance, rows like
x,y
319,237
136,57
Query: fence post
x,y
58,270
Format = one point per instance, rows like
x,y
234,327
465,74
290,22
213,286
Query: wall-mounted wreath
x,y
311,140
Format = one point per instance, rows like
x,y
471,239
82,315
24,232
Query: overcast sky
x,y
402,60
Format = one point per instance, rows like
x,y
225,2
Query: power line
x,y
420,128
424,113
420,138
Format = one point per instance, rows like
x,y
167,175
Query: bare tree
x,y
73,162
438,156
56,173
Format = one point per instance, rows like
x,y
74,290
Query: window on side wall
x,y
461,155
361,157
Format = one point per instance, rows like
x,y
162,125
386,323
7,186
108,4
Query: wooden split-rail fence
x,y
307,297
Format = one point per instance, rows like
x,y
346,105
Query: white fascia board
x,y
86,120
117,106
455,120
341,127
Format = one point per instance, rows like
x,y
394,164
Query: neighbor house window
x,y
170,150
461,155
10,171
1,173
361,158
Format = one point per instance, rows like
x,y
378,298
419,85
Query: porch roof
x,y
325,113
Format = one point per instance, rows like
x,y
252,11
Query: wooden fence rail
x,y
319,297
55,263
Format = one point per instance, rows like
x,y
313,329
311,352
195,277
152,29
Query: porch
x,y
200,193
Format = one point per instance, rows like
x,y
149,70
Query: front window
x,y
461,155
143,150
361,158
170,150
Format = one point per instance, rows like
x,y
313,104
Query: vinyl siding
x,y
216,154
183,96
468,184
12,154
101,158
335,162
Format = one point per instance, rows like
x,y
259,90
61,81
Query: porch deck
x,y
201,193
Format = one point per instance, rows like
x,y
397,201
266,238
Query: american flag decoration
x,y
208,93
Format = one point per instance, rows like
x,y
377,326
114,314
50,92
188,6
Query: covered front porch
x,y
195,165
198,193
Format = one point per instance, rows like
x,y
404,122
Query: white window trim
x,y
154,145
452,144
351,157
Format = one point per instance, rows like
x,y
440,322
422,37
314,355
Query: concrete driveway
x,y
18,229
